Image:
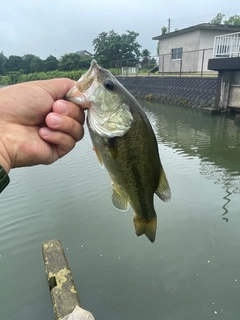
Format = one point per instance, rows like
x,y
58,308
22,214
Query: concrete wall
x,y
187,91
187,41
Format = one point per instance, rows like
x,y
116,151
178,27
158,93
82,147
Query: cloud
x,y
59,26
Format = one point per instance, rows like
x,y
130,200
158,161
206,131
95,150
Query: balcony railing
x,y
227,45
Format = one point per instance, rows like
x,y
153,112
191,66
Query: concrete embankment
x,y
182,91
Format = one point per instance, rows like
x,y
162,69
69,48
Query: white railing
x,y
227,45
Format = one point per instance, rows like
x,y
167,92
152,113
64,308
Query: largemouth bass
x,y
125,144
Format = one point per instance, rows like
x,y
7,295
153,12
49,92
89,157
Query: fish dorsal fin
x,y
163,191
118,201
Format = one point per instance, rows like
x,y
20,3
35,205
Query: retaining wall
x,y
188,91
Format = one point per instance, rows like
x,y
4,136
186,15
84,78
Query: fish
x,y
125,144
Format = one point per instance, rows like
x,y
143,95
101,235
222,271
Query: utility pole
x,y
169,25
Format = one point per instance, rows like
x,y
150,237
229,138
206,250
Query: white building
x,y
188,50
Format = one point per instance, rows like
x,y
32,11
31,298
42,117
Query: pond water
x,y
192,271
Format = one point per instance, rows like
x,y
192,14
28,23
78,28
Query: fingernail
x,y
62,107
45,132
56,120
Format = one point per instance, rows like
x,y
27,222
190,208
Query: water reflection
x,y
215,140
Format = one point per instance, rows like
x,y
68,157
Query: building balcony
x,y
227,46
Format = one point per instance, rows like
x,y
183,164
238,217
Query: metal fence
x,y
227,45
190,63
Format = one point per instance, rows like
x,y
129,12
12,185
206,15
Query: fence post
x,y
163,65
203,54
180,67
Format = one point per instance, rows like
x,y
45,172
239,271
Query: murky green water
x,y
190,272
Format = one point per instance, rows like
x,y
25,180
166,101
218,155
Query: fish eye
x,y
108,84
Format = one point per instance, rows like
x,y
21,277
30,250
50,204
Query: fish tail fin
x,y
146,226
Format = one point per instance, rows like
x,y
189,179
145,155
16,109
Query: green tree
x,y
85,61
233,20
164,30
32,63
145,58
74,61
152,63
3,63
218,19
51,63
69,61
14,63
110,46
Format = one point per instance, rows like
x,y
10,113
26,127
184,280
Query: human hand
x,y
36,127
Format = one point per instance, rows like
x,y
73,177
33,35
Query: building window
x,y
177,53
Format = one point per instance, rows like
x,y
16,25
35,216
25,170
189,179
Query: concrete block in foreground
x,y
63,293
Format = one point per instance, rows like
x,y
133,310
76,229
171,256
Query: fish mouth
x,y
77,93
87,78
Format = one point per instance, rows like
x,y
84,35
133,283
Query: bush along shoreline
x,y
18,77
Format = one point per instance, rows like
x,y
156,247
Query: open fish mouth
x,y
87,78
76,94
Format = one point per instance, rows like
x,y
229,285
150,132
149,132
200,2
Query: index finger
x,y
57,88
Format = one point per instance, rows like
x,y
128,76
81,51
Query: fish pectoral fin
x,y
98,156
146,226
163,191
112,147
118,201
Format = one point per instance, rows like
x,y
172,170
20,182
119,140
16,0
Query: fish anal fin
x,y
118,201
98,156
146,226
163,191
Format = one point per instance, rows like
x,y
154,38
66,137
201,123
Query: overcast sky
x,y
56,27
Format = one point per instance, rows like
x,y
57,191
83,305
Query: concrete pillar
x,y
226,79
